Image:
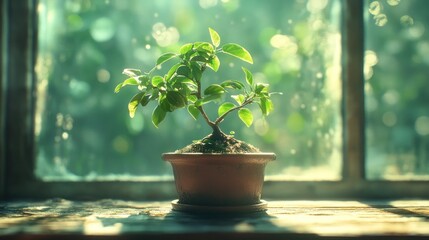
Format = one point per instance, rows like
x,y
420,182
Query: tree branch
x,y
200,108
220,118
209,122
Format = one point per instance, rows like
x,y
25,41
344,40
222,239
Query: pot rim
x,y
172,156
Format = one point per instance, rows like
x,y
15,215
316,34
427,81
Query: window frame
x,y
17,151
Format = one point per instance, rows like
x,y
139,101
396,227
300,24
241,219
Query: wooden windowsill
x,y
116,219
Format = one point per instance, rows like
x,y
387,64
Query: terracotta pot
x,y
219,179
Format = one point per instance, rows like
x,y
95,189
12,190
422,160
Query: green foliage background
x,y
397,87
83,130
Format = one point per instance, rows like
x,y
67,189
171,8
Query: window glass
x,y
396,88
83,130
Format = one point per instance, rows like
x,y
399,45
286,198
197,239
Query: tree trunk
x,y
217,133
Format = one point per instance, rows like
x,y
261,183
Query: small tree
x,y
182,85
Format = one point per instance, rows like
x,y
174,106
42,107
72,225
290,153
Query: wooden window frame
x,y
17,152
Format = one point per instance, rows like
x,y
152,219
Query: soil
x,y
219,144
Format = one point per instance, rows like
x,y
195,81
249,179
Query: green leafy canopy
x,y
183,85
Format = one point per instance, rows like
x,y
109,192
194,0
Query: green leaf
x,y
166,105
215,37
191,87
155,94
261,88
145,100
157,80
246,116
238,52
232,84
178,79
204,48
143,79
199,58
240,98
249,76
165,57
193,111
214,63
184,71
131,72
184,83
266,106
172,70
134,102
192,98
196,71
211,98
208,99
185,48
205,54
118,87
129,81
225,108
214,89
176,99
158,115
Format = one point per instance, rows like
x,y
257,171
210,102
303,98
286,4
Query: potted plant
x,y
217,171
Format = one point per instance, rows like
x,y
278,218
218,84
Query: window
x,y
63,126
295,45
396,86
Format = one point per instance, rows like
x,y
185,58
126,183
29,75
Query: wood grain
x,y
116,219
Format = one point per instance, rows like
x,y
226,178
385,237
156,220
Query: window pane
x,y
397,87
83,130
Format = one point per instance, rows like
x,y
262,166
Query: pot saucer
x,y
199,209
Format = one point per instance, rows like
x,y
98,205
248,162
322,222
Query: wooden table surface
x,y
117,219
